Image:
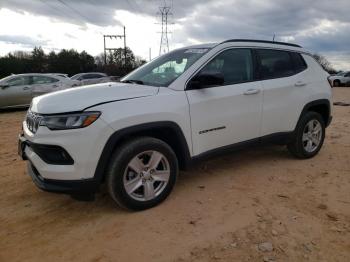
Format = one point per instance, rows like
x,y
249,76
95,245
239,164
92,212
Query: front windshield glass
x,y
75,77
4,80
165,69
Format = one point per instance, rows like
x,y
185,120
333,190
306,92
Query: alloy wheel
x,y
312,135
146,175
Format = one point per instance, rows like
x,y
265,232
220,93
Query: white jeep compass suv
x,y
187,104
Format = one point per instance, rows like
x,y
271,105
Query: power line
x,y
51,7
75,11
130,5
137,5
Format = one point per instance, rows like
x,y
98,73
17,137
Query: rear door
x,y
16,92
229,113
90,79
285,81
44,84
96,78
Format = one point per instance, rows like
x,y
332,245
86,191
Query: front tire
x,y
308,136
336,83
142,173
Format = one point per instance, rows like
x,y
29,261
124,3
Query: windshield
x,y
341,73
75,77
3,80
165,69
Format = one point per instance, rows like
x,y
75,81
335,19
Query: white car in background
x,y
18,90
91,78
340,79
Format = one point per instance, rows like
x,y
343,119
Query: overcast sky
x,y
322,26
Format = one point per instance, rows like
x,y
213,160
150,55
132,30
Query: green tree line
x,y
69,62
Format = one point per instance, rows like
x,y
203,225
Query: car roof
x,y
253,43
91,73
260,41
35,74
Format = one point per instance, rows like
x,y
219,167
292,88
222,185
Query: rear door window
x,y
275,63
87,76
38,80
96,76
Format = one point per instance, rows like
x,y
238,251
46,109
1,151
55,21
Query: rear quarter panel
x,y
319,87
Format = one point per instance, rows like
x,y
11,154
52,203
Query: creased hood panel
x,y
79,98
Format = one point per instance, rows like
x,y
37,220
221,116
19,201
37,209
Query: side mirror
x,y
4,86
206,79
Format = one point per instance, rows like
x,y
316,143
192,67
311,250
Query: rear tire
x,y
142,173
308,136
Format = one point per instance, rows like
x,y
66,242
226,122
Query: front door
x,y
16,91
228,113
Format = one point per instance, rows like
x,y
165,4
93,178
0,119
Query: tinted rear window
x,y
275,63
298,61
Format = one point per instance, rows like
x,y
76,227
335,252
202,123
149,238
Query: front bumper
x,y
83,147
85,186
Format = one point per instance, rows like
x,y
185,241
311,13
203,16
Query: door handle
x,y
26,88
299,84
55,86
251,91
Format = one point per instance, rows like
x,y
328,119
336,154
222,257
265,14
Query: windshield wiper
x,y
133,82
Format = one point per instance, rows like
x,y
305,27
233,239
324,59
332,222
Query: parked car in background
x,y
18,90
91,78
340,79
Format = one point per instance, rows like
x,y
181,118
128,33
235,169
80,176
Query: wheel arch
x,y
321,106
167,131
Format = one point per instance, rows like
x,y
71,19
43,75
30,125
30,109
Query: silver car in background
x,y
91,78
18,90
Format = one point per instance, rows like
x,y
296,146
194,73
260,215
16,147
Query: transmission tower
x,y
164,13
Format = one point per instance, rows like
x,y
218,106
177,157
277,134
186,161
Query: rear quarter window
x,y
299,62
275,63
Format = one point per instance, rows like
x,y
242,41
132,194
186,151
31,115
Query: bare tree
x,y
326,65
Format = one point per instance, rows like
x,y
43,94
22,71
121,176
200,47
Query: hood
x,y
80,98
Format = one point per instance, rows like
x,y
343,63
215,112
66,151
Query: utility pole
x,y
124,47
111,49
164,13
104,49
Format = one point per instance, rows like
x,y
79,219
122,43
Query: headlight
x,y
69,121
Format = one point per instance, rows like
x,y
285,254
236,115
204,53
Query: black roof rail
x,y
260,41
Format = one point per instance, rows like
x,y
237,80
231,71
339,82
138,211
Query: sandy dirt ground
x,y
259,204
